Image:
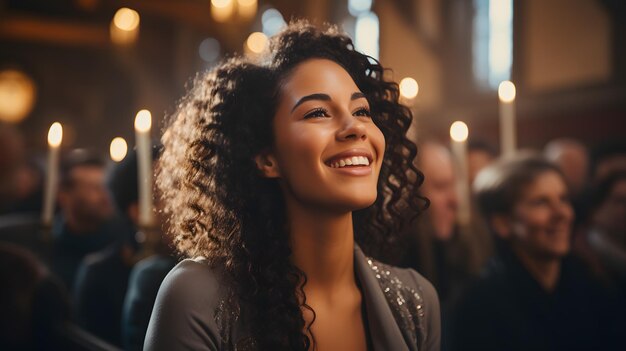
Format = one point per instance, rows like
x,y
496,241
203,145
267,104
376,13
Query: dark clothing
x,y
69,248
99,293
143,285
402,309
508,310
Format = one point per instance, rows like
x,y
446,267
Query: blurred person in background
x,y
572,158
85,221
102,279
479,155
533,295
608,158
21,176
34,306
603,243
436,246
143,286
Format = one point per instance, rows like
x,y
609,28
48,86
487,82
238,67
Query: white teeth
x,y
351,161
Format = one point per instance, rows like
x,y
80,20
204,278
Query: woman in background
x,y
533,295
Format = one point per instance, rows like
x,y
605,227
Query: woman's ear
x,y
501,225
267,165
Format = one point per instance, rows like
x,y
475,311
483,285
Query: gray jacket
x,y
189,314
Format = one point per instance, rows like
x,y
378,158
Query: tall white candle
x,y
143,124
459,133
55,137
506,93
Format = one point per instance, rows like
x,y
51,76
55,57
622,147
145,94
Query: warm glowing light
x,y
55,134
408,88
17,96
257,42
126,19
143,121
118,149
247,8
459,131
367,29
222,10
506,91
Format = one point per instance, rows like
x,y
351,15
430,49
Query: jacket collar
x,y
384,331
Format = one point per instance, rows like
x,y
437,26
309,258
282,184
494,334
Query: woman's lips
x,y
356,162
350,158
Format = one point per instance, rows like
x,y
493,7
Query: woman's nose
x,y
351,129
563,210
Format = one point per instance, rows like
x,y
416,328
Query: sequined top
x,y
191,314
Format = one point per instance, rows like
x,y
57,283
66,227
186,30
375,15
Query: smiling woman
x,y
532,295
275,175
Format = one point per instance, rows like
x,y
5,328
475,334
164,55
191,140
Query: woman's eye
x,y
363,112
317,113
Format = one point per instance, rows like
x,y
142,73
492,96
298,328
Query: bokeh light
x,y
256,42
409,88
143,121
459,131
17,96
118,149
506,91
55,134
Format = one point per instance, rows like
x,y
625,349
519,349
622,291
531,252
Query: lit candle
x,y
143,123
458,134
118,149
506,93
55,136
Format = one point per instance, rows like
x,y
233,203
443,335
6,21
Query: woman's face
x,y
327,150
541,222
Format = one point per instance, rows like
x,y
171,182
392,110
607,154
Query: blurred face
x,y
327,152
541,222
611,214
87,198
440,188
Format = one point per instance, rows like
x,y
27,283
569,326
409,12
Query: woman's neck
x,y
323,248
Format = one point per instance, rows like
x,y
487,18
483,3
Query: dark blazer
x,y
402,309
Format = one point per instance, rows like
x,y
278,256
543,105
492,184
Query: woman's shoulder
x,y
414,280
413,301
192,285
184,315
196,272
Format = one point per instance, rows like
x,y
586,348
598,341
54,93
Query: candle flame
x,y
257,42
126,19
55,134
118,149
409,88
143,121
222,10
459,131
506,91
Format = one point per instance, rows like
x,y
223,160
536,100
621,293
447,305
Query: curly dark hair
x,y
220,207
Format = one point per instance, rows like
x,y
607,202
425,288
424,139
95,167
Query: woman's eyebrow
x,y
319,96
357,95
324,97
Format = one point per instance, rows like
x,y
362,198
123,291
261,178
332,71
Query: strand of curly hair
x,y
219,207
